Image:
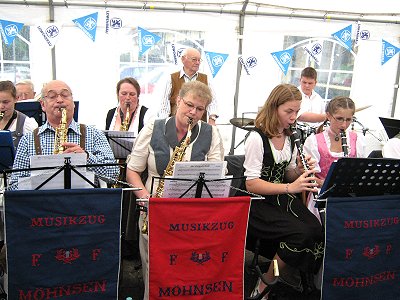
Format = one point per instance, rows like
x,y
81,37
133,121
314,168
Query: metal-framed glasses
x,y
191,106
194,59
342,120
53,95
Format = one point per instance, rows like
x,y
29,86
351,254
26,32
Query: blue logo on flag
x,y
215,61
365,34
146,40
88,24
283,59
388,51
9,30
116,23
343,36
52,31
316,49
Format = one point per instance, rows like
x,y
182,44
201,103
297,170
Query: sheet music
x,y
192,170
57,160
121,142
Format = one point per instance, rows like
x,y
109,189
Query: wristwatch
x,y
213,117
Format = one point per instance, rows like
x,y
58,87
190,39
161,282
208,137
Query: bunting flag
x,y
146,40
362,258
9,30
388,51
343,36
314,51
63,243
50,33
112,22
88,24
215,61
250,62
361,34
177,50
196,247
283,59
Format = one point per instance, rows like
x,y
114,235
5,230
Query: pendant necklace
x,y
337,138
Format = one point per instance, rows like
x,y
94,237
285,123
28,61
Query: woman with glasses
x,y
327,146
157,140
11,119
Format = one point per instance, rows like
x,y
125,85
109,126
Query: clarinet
x,y
345,146
299,146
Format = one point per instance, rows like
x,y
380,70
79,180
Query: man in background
x,y
312,108
25,90
191,59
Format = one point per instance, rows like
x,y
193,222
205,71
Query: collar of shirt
x,y
74,126
183,74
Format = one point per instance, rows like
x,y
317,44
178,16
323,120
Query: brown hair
x,y
267,117
309,72
340,102
129,80
8,86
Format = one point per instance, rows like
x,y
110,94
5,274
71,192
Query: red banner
x,y
196,247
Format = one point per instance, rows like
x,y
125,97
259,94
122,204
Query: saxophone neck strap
x,y
13,117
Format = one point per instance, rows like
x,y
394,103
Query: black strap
x,y
14,116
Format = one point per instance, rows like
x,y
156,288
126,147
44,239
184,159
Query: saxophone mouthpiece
x,y
1,115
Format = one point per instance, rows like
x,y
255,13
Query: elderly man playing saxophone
x,y
157,141
57,100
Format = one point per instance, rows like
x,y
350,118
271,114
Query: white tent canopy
x,y
237,28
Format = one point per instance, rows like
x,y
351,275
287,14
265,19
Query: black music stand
x,y
392,126
356,177
7,150
121,142
33,109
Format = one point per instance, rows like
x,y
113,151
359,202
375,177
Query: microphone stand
x,y
364,129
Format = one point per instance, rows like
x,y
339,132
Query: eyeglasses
x,y
342,120
190,105
194,59
53,95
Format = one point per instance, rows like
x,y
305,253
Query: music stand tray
x,y
356,177
7,150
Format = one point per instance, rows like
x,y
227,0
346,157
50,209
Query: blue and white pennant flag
x,y
146,40
50,33
249,63
88,24
283,59
343,36
9,30
388,51
215,61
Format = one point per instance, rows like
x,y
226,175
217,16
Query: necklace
x,y
335,134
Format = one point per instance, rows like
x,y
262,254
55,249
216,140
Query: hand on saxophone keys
x,y
72,148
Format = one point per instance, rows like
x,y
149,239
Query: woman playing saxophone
x,y
157,140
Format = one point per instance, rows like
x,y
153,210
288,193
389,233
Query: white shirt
x,y
30,124
134,126
254,155
392,148
165,109
314,103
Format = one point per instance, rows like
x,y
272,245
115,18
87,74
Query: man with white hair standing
x,y
191,59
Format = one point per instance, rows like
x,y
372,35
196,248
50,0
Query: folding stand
x,y
356,177
121,142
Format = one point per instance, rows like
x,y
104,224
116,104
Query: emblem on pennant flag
x,y
146,40
283,59
388,51
50,33
251,62
314,51
88,24
215,61
9,30
343,36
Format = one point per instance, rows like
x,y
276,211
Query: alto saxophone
x,y
177,155
1,115
61,133
124,127
125,124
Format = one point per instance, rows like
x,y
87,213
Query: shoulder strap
x,y
82,128
36,139
110,115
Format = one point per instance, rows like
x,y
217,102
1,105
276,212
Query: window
x,y
335,73
14,58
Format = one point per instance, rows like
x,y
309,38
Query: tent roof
x,y
362,9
